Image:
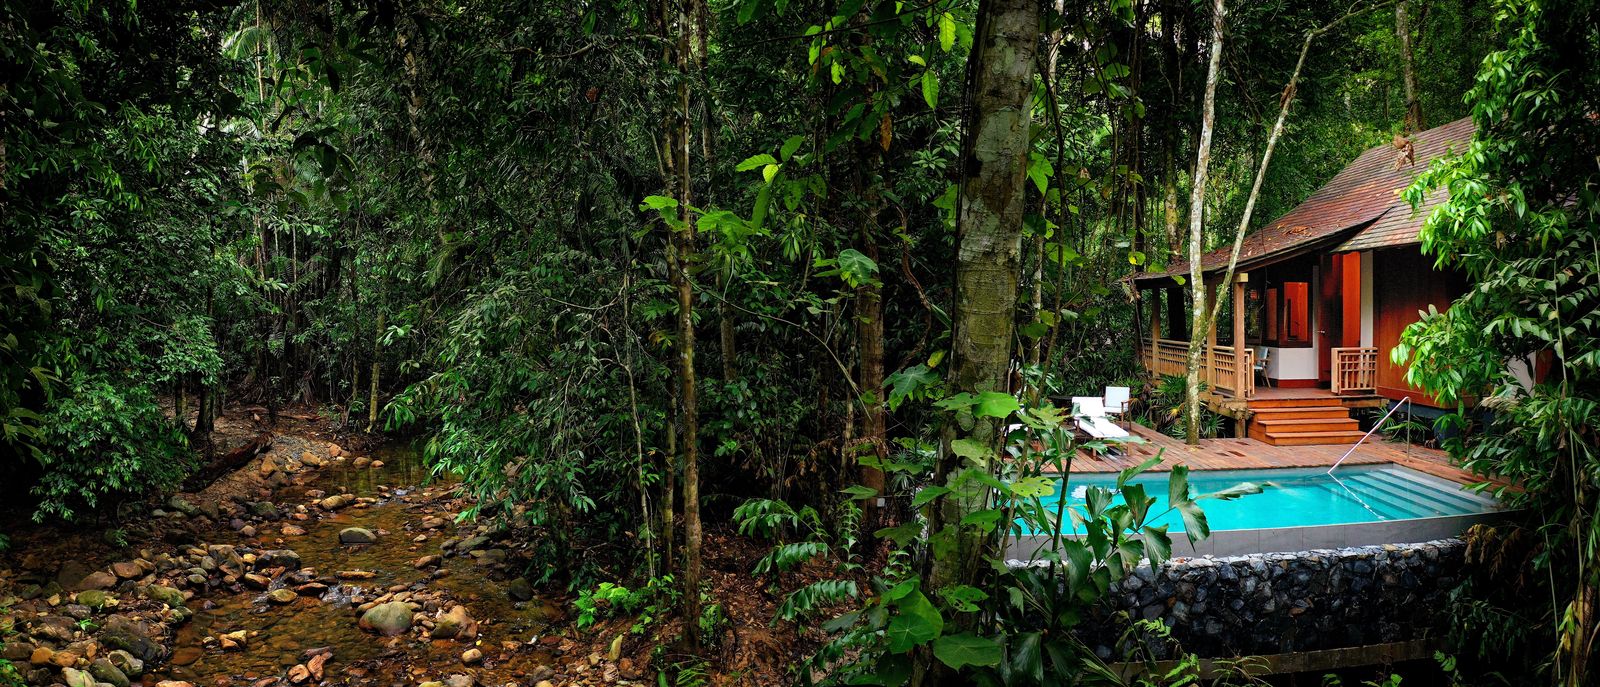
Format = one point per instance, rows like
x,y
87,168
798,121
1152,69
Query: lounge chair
x,y
1089,412
1117,399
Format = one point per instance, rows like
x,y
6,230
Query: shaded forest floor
x,y
334,559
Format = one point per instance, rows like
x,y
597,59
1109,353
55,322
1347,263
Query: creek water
x,y
279,635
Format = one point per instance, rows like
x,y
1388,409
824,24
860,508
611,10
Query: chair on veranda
x,y
1089,413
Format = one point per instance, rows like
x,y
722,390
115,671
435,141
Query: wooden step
x,y
1299,413
1311,438
1260,403
1316,424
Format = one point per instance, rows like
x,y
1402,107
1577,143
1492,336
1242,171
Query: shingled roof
x,y
1358,209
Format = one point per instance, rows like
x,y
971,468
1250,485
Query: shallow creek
x,y
280,635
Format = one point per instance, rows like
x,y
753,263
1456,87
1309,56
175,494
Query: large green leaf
x,y
917,623
966,649
996,404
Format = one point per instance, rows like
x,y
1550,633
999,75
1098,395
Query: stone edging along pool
x,y
1271,603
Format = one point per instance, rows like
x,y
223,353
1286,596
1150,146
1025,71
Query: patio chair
x,y
1263,355
1089,412
1117,400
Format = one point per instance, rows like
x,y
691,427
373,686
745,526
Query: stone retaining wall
x,y
1281,602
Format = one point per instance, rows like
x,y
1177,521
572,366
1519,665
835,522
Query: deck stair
x,y
1301,422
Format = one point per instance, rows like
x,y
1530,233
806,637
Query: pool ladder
x,y
1375,427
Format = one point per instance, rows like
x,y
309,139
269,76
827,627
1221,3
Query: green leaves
x,y
966,649
996,404
916,623
930,89
947,31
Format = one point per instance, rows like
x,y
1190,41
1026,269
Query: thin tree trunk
x,y
988,260
372,397
1408,70
1197,205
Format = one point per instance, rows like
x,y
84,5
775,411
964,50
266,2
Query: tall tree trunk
x,y
372,397
1408,71
1197,206
989,223
869,349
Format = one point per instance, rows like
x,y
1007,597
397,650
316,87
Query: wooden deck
x,y
1249,454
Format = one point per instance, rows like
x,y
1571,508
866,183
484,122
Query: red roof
x,y
1360,207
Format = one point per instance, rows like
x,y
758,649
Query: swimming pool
x,y
1302,498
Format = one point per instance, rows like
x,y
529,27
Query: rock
x,y
314,666
178,503
357,535
16,652
335,502
265,509
105,672
541,683
376,464
95,598
489,556
388,619
459,680
520,589
433,522
469,657
257,580
292,530
427,561
186,655
282,596
41,656
174,683
166,595
311,459
132,636
278,558
98,579
127,570
233,640
64,659
615,652
355,574
248,530
455,624
299,674
77,678
129,664
361,462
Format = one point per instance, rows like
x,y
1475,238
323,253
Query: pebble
x,y
472,656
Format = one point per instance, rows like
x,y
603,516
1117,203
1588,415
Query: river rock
x,y
16,652
127,663
388,619
127,570
459,680
237,639
164,594
426,561
299,674
469,657
98,579
335,502
292,530
314,666
433,522
357,535
520,589
105,672
311,459
178,503
455,624
132,636
94,598
278,558
77,678
282,596
174,683
361,462
265,509
63,659
41,656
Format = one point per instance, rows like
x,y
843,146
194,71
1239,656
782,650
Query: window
x,y
1280,315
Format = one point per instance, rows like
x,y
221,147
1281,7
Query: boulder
x,y
127,570
104,671
129,664
94,598
166,595
98,579
455,624
77,678
132,636
520,589
278,558
388,619
357,535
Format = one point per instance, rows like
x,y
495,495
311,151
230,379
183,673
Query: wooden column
x,y
1241,371
1155,328
1211,341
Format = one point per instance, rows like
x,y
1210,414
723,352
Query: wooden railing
x,y
1355,369
1216,365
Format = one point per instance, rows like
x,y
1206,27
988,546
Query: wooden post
x,y
1155,332
1209,374
1240,369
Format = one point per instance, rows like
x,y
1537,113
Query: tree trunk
x,y
988,260
1197,204
1408,72
372,397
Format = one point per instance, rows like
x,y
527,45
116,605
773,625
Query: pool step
x,y
1308,422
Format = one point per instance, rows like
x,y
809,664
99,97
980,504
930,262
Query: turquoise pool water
x,y
1299,498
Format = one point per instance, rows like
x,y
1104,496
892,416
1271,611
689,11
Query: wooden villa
x,y
1320,297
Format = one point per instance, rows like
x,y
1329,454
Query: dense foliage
x,y
616,261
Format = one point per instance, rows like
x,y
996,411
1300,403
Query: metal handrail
x,y
1375,427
